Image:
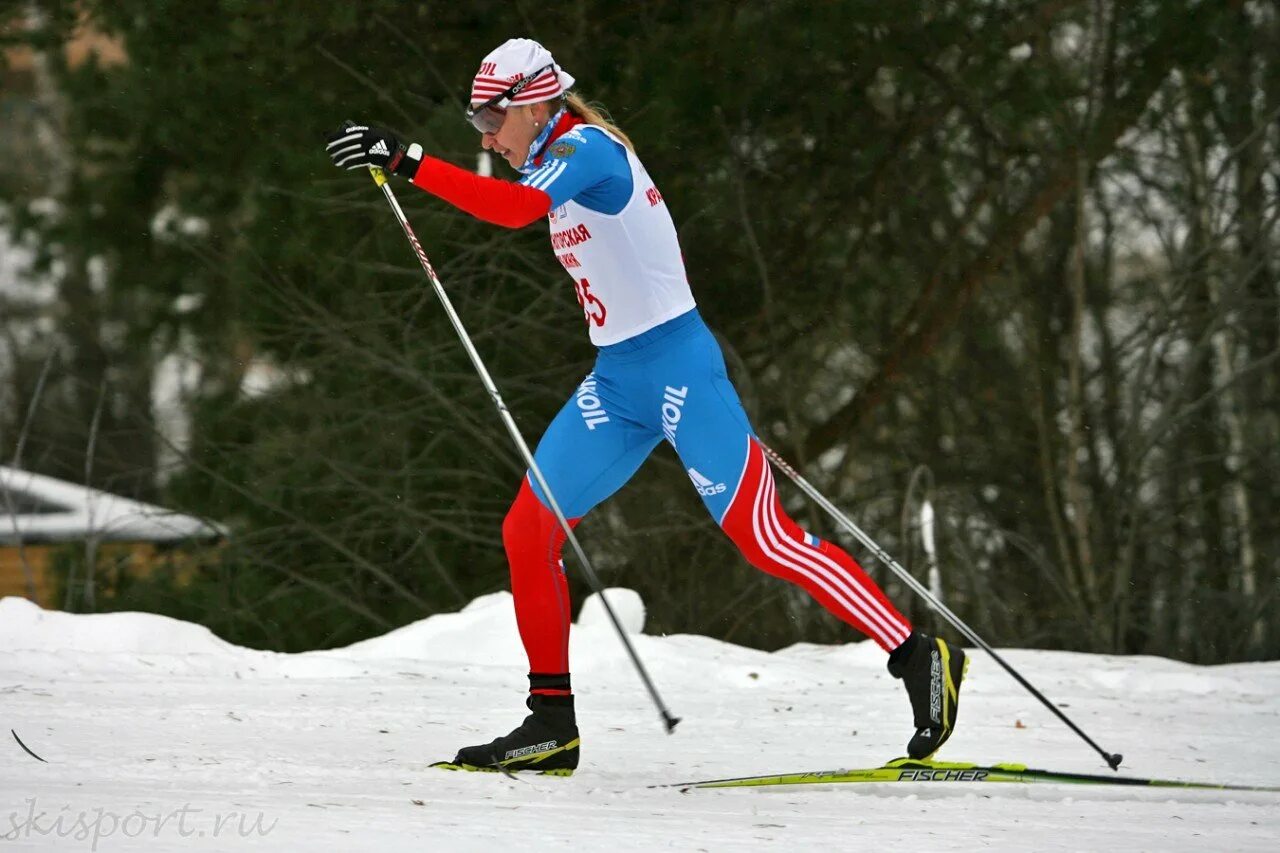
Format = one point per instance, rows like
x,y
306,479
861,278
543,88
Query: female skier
x,y
658,375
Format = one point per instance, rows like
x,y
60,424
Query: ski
x,y
909,770
498,768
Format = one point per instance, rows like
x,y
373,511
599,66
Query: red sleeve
x,y
494,200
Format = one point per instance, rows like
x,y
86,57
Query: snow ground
x,y
158,735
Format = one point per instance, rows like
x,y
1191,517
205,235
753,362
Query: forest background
x,y
1015,260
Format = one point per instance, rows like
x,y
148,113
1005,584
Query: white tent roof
x,y
36,508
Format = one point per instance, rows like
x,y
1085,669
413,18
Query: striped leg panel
x,y
771,541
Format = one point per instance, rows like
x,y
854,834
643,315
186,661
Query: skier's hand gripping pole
x,y
380,178
1113,759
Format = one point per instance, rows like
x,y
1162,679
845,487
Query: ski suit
x,y
659,376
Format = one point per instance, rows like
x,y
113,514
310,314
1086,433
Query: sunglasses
x,y
488,117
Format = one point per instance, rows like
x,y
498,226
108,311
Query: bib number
x,y
592,308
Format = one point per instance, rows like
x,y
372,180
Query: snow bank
x,y
627,606
482,633
26,626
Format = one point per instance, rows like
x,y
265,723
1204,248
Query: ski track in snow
x,y
143,718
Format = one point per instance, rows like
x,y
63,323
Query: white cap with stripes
x,y
512,61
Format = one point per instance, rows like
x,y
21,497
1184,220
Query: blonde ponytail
x,y
593,113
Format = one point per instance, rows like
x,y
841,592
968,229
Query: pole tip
x,y
669,721
1114,759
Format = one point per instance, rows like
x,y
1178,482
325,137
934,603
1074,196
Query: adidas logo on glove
x,y
380,148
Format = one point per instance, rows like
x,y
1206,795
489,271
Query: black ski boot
x,y
932,672
546,742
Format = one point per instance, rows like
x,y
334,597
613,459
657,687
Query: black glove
x,y
358,146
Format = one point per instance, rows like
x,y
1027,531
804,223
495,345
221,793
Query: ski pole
x,y
380,178
1113,759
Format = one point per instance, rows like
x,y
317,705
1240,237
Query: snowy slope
x,y
154,731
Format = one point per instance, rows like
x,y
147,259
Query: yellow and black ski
x,y
910,770
497,768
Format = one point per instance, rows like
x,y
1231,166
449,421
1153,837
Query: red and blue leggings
x,y
668,383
